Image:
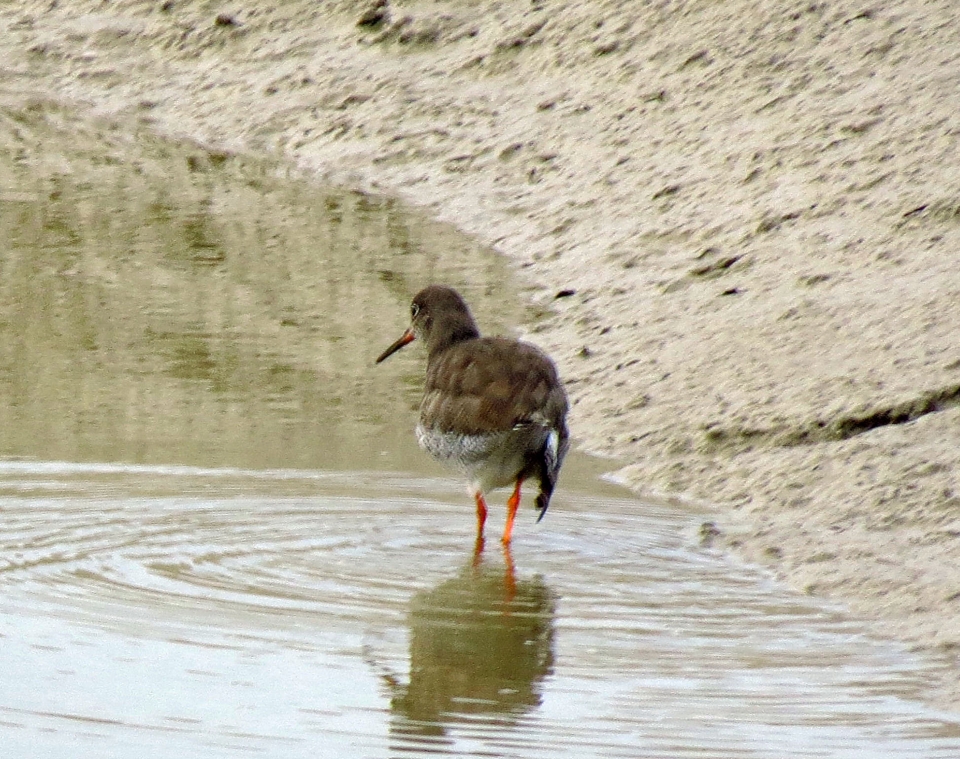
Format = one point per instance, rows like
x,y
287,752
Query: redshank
x,y
493,408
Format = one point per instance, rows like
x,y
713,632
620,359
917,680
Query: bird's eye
x,y
414,310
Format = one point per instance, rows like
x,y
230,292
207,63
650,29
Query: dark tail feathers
x,y
554,449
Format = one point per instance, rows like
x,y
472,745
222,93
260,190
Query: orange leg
x,y
513,503
481,514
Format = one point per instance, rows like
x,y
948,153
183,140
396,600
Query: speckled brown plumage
x,y
490,384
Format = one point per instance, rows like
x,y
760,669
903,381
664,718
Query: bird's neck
x,y
451,332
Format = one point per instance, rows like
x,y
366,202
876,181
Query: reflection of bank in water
x,y
481,643
160,303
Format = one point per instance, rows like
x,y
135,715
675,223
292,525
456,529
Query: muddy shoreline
x,y
756,210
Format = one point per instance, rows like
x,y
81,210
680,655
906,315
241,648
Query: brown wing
x,y
490,385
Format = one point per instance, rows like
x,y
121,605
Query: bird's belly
x,y
490,460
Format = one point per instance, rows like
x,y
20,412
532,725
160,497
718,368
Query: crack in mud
x,y
841,428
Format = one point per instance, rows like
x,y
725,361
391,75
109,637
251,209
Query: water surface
x,y
198,612
217,537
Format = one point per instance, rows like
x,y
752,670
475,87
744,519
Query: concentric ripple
x,y
192,612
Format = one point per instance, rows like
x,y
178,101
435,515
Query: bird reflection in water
x,y
481,645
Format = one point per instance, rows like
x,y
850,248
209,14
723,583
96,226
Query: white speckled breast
x,y
490,460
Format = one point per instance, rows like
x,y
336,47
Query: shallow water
x,y
192,612
218,538
159,304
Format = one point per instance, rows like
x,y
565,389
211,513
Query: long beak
x,y
406,337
